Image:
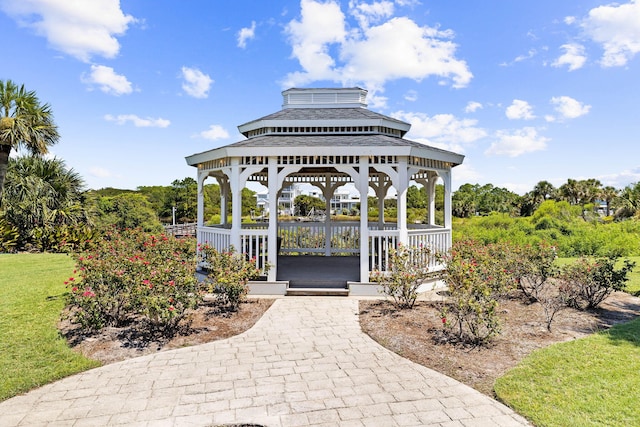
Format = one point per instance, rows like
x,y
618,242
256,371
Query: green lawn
x,y
633,285
588,382
32,353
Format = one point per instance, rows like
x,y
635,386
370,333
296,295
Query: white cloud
x,y
369,54
442,130
465,173
246,34
367,13
214,133
196,83
321,25
573,56
569,20
100,172
519,109
568,107
409,51
616,27
472,107
138,121
108,80
621,179
517,143
411,96
530,54
78,28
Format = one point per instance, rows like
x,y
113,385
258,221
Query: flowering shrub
x,y
532,267
408,268
589,281
476,277
131,275
228,273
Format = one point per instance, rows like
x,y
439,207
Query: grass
x,y
32,353
633,285
588,382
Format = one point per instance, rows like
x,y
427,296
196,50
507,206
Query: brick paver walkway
x,y
305,363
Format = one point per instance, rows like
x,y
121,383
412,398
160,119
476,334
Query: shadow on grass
x,y
625,333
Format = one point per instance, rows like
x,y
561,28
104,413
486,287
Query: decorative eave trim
x,y
221,156
246,128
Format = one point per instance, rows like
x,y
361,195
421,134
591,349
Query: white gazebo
x,y
326,138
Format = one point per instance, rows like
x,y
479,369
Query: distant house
x,y
285,200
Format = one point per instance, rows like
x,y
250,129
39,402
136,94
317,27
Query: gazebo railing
x,y
310,238
381,242
216,237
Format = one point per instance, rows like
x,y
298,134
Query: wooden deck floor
x,y
318,271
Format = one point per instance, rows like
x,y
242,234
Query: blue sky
x,y
527,91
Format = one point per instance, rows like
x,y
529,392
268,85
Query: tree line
x,y
589,194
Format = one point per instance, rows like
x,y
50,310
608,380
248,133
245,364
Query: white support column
x,y
431,195
272,238
224,200
446,178
430,185
201,178
363,187
381,193
403,185
328,194
236,204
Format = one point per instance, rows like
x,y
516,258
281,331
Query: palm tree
x,y
543,190
42,195
629,201
570,191
24,123
608,194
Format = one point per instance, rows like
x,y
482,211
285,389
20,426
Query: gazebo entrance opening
x,y
326,138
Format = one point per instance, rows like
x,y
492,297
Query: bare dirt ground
x,y
417,335
207,323
414,334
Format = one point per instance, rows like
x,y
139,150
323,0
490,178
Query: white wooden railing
x,y
344,238
311,238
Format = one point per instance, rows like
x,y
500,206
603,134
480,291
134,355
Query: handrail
x,y
310,238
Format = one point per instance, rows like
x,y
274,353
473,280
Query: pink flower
x,y
171,308
88,294
171,283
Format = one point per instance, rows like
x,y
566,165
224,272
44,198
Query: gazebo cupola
x,y
326,137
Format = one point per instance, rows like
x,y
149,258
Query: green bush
x,y
589,281
9,236
228,273
476,276
563,227
408,268
532,267
132,276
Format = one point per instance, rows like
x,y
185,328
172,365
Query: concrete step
x,y
318,283
337,292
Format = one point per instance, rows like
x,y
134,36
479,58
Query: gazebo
x,y
325,137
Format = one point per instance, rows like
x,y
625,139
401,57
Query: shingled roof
x,y
326,121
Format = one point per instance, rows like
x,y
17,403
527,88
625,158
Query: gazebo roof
x,y
324,117
326,122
